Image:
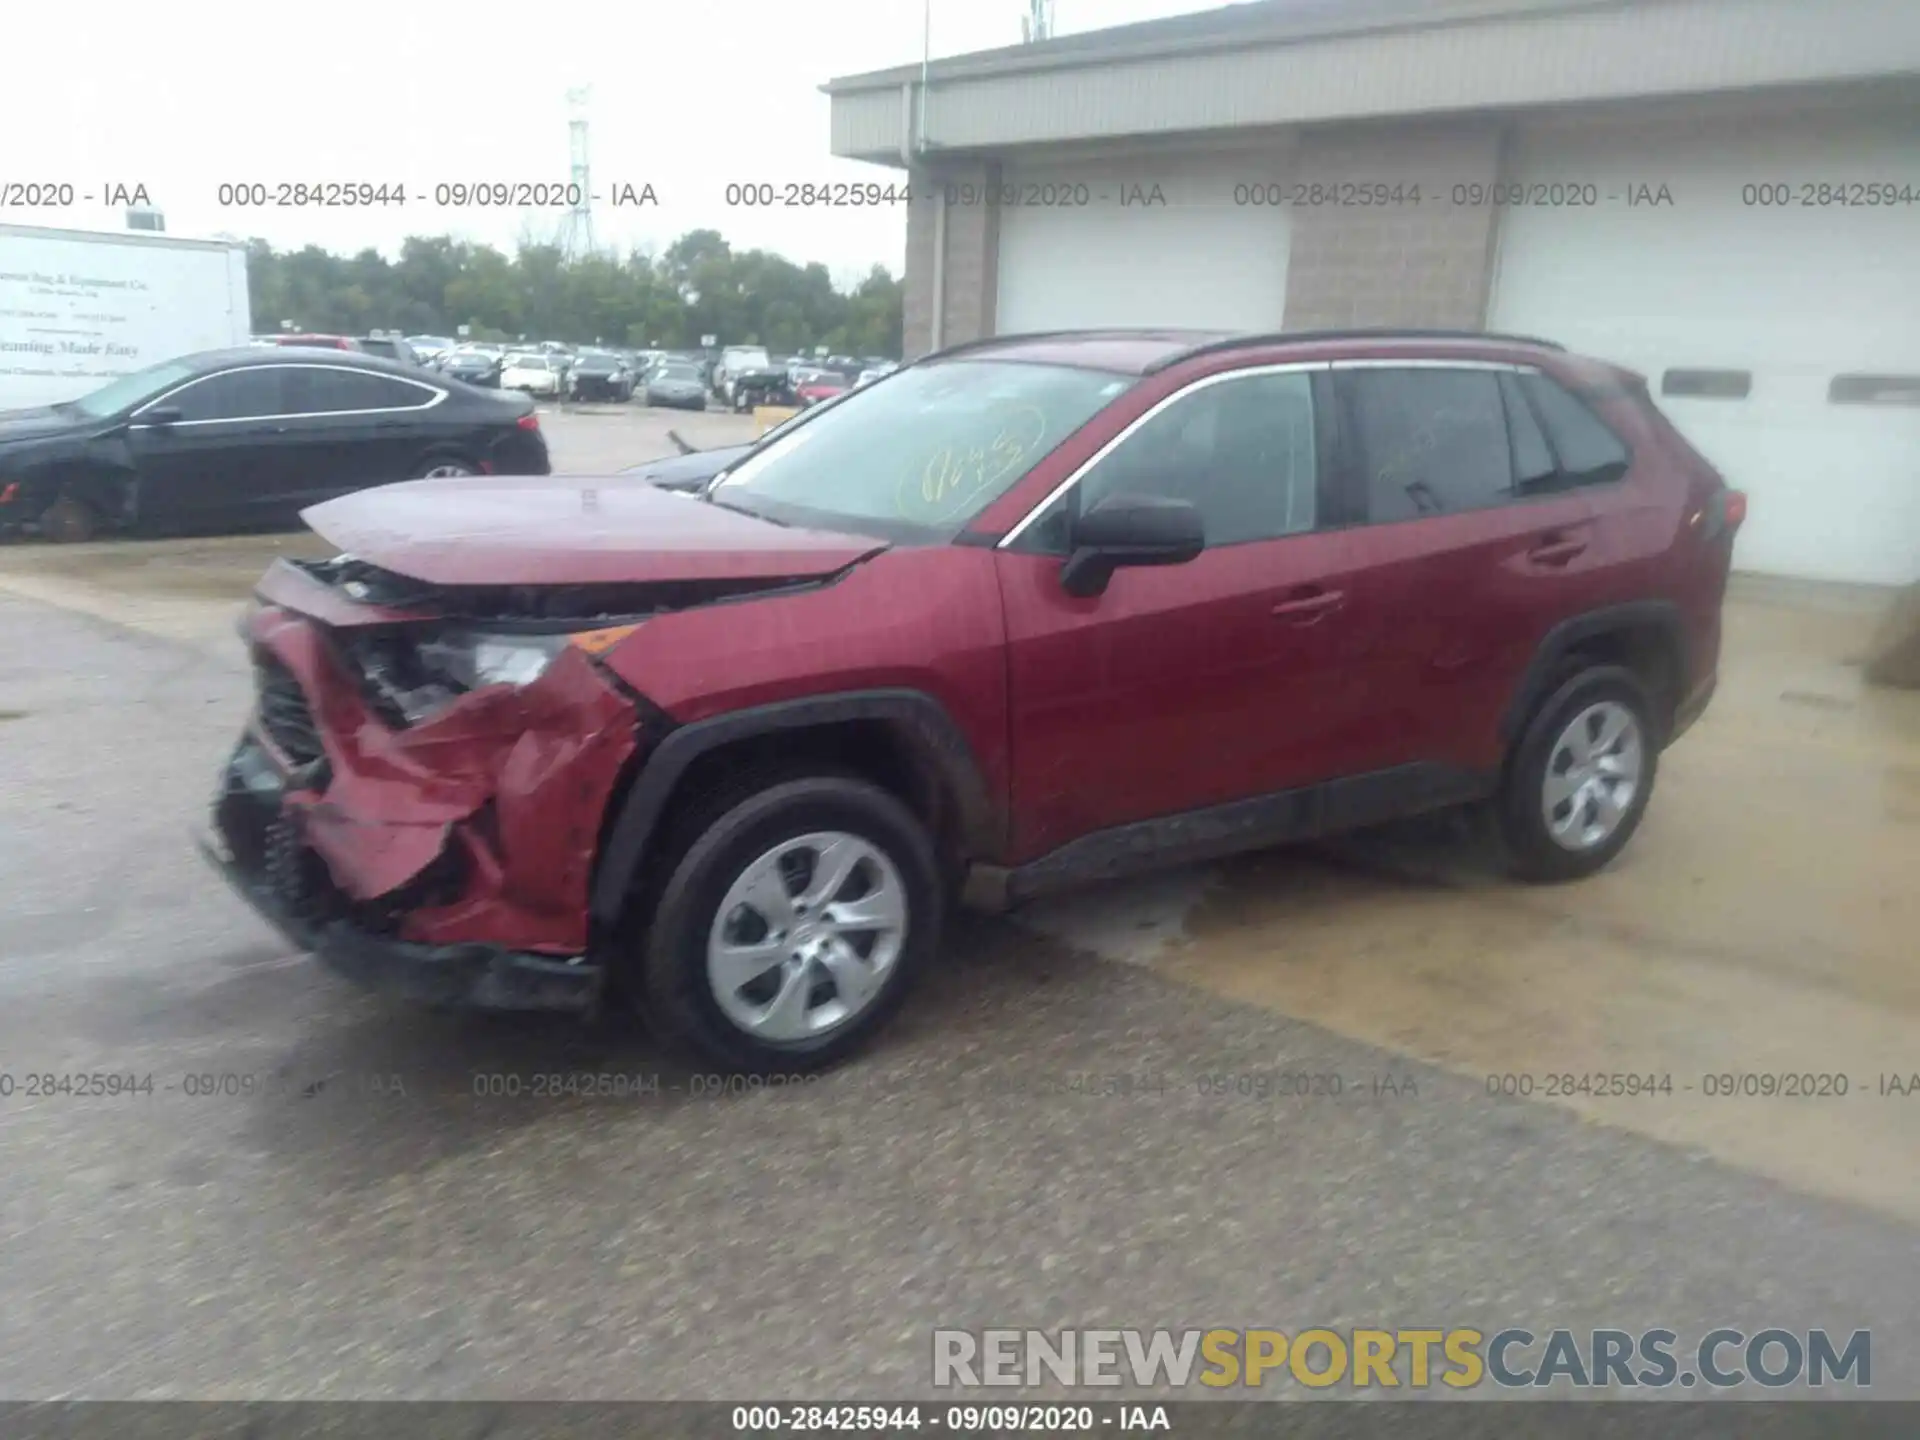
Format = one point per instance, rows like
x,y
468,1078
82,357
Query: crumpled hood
x,y
570,530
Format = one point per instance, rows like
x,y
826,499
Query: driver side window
x,y
244,394
1240,450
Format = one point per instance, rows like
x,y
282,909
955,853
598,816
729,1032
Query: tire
x,y
444,467
69,521
1593,821
736,838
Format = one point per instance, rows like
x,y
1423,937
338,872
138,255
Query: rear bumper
x,y
599,390
254,846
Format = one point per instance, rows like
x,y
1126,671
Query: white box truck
x,y
81,307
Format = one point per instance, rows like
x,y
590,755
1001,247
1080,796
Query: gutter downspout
x,y
926,64
937,338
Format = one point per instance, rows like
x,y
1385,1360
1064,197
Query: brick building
x,y
1722,194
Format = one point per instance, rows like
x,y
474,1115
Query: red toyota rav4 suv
x,y
1029,612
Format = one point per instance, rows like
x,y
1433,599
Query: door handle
x,y
1556,550
1315,605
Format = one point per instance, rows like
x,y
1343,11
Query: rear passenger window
x,y
322,390
1534,468
1589,453
1431,441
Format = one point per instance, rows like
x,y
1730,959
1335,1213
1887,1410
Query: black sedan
x,y
692,470
677,384
474,367
599,375
239,439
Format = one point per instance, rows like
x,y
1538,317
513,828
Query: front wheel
x,y
69,521
1581,777
792,926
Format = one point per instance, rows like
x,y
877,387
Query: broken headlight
x,y
410,678
473,658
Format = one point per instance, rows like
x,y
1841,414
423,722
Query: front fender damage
x,y
485,817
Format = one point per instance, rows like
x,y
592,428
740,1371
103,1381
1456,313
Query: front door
x,y
1186,686
220,461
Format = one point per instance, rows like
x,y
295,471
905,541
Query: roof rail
x,y
1384,332
1081,333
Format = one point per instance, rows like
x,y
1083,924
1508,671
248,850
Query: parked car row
x,y
739,377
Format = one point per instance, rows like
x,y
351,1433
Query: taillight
x,y
529,421
1722,514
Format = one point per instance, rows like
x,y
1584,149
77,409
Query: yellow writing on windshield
x,y
956,473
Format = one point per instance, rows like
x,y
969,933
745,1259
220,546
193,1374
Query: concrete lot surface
x,y
363,1219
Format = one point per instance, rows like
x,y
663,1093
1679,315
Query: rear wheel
x,y
792,925
444,467
1581,778
69,520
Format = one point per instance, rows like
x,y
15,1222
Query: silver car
x,y
676,384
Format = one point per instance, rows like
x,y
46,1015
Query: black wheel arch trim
x,y
922,721
1536,681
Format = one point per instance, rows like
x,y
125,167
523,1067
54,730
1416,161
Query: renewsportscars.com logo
x,y
1363,1359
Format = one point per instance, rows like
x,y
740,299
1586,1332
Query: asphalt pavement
x,y
303,1191
327,1195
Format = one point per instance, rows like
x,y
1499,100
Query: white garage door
x,y
1727,278
1091,245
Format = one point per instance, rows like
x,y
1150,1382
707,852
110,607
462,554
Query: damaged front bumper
x,y
448,859
466,976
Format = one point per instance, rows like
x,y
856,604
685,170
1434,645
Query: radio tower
x,y
1037,23
576,234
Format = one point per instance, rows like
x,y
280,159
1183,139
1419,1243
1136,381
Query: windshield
x,y
677,372
130,390
919,455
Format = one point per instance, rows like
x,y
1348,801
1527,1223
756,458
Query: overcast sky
x,y
685,94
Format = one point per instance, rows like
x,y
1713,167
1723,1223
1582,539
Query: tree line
x,y
699,286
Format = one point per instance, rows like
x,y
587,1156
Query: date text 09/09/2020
x,y
29,1086
951,1419
445,194
1714,1085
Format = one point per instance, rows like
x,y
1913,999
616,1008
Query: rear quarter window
x,y
1587,449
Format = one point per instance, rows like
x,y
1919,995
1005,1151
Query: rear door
x,y
355,428
1472,544
1180,687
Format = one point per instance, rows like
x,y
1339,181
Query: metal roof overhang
x,y
1279,64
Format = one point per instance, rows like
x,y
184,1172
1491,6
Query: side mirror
x,y
160,415
1130,530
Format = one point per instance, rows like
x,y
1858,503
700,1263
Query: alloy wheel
x,y
806,936
1593,773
